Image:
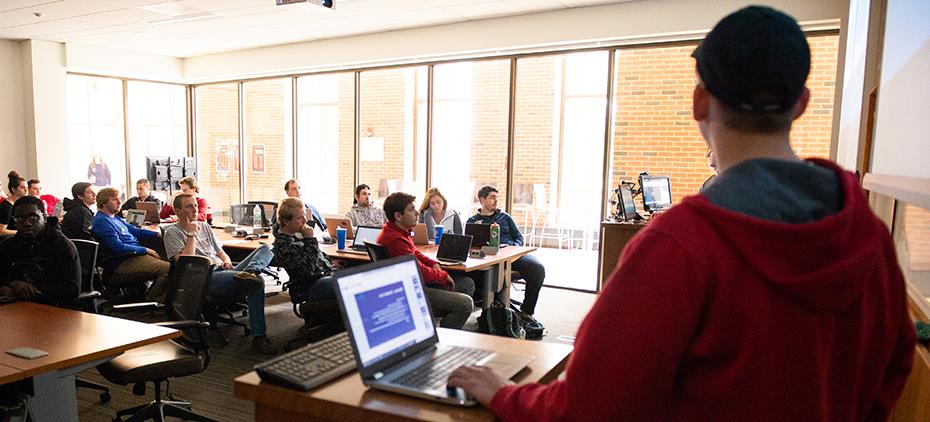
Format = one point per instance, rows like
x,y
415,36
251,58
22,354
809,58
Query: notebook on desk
x,y
391,330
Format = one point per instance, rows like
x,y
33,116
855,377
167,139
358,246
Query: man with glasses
x,y
38,264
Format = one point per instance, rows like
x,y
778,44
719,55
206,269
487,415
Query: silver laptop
x,y
135,217
453,249
151,211
419,235
395,342
362,234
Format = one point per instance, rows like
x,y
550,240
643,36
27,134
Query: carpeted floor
x,y
211,391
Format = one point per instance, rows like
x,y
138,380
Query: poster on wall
x,y
371,148
258,158
227,158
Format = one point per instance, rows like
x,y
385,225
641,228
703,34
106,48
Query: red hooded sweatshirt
x,y
399,243
715,315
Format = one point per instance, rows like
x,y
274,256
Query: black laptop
x,y
480,232
453,249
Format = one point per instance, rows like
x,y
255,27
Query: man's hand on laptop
x,y
479,382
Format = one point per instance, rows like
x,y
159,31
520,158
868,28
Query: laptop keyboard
x,y
311,365
435,374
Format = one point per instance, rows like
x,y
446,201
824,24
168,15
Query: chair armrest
x,y
183,325
93,294
140,306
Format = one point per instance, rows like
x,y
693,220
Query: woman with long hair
x,y
18,189
435,211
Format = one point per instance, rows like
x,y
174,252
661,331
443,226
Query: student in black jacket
x,y
144,194
38,264
78,216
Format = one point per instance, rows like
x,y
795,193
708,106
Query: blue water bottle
x,y
439,230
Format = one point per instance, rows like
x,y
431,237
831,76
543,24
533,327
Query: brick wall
x,y
217,127
267,114
654,130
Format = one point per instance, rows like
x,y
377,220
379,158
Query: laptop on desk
x,y
332,223
136,217
362,234
453,249
151,211
419,235
391,330
481,234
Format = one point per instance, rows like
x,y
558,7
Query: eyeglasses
x,y
26,219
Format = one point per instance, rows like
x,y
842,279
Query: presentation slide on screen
x,y
385,313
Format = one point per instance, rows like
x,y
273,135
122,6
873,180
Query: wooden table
x,y
494,270
74,340
346,398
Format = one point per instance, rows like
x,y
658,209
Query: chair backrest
x,y
87,255
376,252
187,285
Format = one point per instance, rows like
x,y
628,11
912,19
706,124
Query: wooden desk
x,y
493,269
614,237
346,398
9,374
74,340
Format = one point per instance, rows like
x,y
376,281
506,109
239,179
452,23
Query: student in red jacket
x,y
775,294
188,185
449,296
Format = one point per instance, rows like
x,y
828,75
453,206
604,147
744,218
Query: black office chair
x,y
376,252
89,300
186,355
217,310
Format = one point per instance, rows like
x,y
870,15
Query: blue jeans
x,y
533,274
223,284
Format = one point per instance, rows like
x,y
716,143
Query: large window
x,y
392,144
218,145
470,117
157,123
268,135
96,139
559,126
326,140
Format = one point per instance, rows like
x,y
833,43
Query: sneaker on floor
x,y
263,344
250,279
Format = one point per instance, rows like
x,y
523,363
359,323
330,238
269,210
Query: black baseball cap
x,y
756,60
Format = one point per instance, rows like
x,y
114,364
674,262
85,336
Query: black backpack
x,y
501,321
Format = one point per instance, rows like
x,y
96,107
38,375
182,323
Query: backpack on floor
x,y
501,321
535,330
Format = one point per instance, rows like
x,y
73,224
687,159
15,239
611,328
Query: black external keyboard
x,y
308,367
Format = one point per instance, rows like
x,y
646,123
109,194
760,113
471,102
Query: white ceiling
x,y
186,28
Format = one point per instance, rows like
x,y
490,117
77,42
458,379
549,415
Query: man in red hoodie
x,y
775,294
449,297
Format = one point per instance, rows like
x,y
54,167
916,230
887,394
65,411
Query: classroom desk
x,y
614,237
494,270
346,398
75,341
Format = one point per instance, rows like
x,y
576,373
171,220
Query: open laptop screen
x,y
366,234
386,309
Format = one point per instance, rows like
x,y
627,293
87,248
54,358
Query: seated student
x,y
120,251
529,267
191,237
188,185
450,298
363,212
297,251
143,194
435,211
34,186
18,190
78,216
38,264
292,189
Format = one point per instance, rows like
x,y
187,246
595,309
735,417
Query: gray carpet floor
x,y
211,391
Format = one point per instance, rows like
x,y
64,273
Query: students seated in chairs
x,y
435,211
297,251
192,237
143,194
78,216
449,297
529,267
122,255
188,186
292,189
34,187
18,190
38,264
364,212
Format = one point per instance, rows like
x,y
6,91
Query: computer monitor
x,y
626,207
657,192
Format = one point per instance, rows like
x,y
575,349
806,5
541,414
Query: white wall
x,y
123,64
590,26
857,33
902,129
12,129
45,113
